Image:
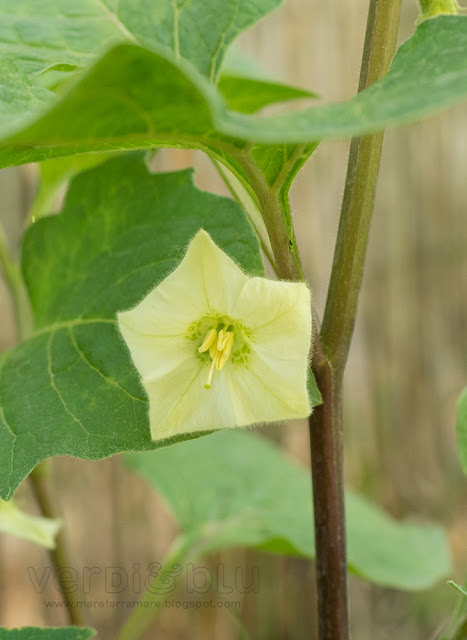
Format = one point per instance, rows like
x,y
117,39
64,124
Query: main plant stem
x,y
329,359
331,346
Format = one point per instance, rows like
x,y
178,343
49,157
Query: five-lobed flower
x,y
216,348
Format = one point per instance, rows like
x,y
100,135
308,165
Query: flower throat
x,y
220,344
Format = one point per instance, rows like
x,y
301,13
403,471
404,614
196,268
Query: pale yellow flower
x,y
36,529
216,348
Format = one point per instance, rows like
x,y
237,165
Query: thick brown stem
x,y
331,562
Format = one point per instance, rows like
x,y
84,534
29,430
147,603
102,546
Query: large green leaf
x,y
48,41
71,388
69,33
462,429
235,489
133,97
51,633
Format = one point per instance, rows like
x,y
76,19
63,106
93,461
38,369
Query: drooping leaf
x,y
235,489
429,73
71,389
462,429
51,633
134,97
15,522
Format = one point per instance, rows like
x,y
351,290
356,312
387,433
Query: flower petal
x,y
221,278
269,306
179,403
260,393
206,281
155,356
279,316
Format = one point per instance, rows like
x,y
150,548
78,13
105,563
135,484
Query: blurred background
x,y
407,365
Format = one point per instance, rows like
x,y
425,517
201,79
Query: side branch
x,y
59,554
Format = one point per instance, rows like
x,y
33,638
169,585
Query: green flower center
x,y
221,339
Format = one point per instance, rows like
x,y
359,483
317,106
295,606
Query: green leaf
x,y
462,429
248,95
60,32
36,529
51,633
18,96
55,173
457,587
235,489
72,389
134,97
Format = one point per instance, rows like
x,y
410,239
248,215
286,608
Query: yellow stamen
x,y
222,337
209,340
218,360
213,351
209,380
224,355
220,345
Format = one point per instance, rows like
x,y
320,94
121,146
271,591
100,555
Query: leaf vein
x,y
54,385
85,359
